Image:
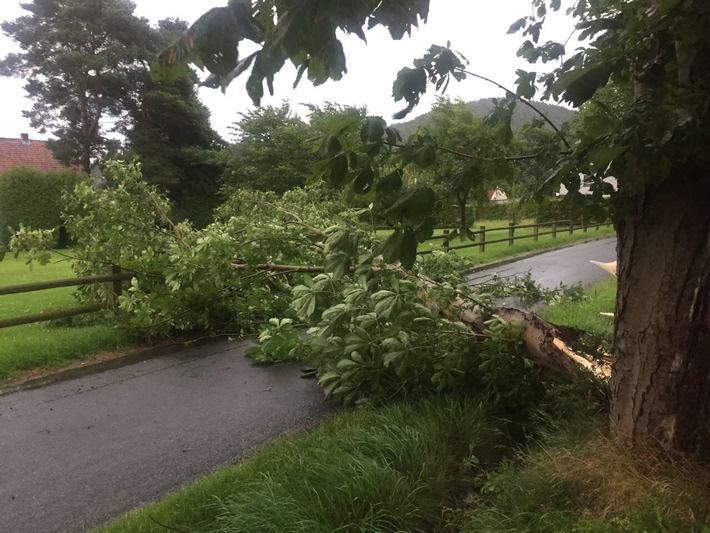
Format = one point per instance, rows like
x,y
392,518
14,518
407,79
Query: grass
x,y
599,298
389,469
591,483
46,345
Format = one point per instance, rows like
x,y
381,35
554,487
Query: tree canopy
x,y
271,152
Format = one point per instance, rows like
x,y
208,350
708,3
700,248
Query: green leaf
x,y
363,181
425,230
391,357
415,205
337,263
517,25
339,166
391,183
401,246
600,156
579,85
373,129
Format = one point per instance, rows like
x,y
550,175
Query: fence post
x,y
482,245
115,287
571,226
511,233
554,230
536,231
446,240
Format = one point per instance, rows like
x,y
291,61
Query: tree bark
x,y
661,359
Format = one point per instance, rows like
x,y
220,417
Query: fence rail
x,y
113,281
556,226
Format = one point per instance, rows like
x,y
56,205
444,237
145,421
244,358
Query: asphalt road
x,y
566,265
77,453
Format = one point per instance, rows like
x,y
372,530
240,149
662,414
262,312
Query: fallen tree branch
x,y
544,343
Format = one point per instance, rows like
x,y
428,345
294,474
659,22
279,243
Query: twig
x,y
167,526
524,101
176,231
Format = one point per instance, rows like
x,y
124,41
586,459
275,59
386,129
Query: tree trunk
x,y
661,360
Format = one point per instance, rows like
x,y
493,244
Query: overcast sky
x,y
476,29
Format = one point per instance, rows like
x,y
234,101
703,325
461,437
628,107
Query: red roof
x,y
28,153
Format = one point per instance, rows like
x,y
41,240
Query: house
x,y
28,153
586,189
497,195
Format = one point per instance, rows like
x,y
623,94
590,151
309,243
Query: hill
x,y
558,115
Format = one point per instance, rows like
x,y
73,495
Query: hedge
x,y
33,198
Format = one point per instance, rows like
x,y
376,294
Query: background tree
x,y
77,57
272,151
167,128
464,169
661,376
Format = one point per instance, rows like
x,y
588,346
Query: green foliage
x,y
306,35
443,266
528,292
168,130
271,152
33,198
384,336
279,341
190,279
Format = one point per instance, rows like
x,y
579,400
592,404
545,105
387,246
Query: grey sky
x,y
474,28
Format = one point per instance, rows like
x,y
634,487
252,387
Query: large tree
x,y
77,57
271,152
167,128
661,357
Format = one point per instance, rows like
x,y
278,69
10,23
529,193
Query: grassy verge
x,y
46,345
599,298
502,250
590,483
389,469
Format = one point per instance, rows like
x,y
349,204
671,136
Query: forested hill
x,y
522,115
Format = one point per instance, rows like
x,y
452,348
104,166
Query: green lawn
x,y
44,344
600,298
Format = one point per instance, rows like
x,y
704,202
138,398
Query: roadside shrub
x,y
34,198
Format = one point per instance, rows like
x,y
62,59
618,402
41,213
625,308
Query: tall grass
x,y
44,345
593,483
389,469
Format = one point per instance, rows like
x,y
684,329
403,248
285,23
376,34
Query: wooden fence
x,y
113,281
556,226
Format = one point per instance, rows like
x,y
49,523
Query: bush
x,y
33,198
